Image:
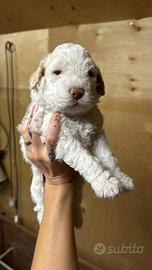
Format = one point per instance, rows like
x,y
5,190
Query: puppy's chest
x,y
80,128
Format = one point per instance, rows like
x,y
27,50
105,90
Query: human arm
x,y
55,246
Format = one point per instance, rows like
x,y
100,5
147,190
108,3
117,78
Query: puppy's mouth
x,y
74,105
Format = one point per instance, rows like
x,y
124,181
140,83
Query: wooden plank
x,y
84,265
45,14
128,124
27,55
123,54
23,242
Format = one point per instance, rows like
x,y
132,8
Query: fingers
x,y
33,121
36,141
26,136
28,116
37,120
34,147
52,134
53,130
30,124
31,139
24,126
43,155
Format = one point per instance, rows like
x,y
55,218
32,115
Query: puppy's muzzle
x,y
76,93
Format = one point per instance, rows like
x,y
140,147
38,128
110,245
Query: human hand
x,y
41,154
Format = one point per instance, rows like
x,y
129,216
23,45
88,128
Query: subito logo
x,y
99,249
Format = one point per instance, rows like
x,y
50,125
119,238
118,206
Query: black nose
x,y
76,93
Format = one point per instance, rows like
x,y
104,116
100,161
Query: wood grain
x,y
28,15
23,242
124,56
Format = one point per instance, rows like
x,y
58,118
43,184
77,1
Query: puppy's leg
x,y
71,151
36,185
37,191
105,156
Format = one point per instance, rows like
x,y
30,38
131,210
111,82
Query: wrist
x,y
59,179
54,194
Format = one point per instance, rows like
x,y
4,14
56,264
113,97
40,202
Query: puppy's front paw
x,y
108,188
111,188
125,181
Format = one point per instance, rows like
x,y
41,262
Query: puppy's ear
x,y
100,87
37,75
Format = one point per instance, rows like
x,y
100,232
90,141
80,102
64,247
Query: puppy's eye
x,y
91,74
57,72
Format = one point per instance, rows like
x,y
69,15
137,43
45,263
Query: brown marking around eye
x,y
91,74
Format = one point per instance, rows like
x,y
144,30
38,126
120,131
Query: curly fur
x,y
82,143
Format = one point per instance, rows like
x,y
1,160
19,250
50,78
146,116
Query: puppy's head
x,y
67,80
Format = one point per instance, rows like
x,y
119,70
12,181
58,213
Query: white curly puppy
x,y
69,81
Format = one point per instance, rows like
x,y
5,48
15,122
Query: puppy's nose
x,y
76,93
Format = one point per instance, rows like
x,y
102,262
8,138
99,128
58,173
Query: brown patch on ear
x,y
37,75
100,87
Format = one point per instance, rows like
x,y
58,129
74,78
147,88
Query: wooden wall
x,y
124,56
38,14
28,53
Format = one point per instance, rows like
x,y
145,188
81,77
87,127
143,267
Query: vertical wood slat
x,y
21,239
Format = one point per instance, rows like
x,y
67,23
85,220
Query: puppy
x,y
69,81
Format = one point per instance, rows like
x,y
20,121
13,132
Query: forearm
x,y
55,247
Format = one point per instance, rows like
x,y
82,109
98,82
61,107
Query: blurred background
x,y
118,36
